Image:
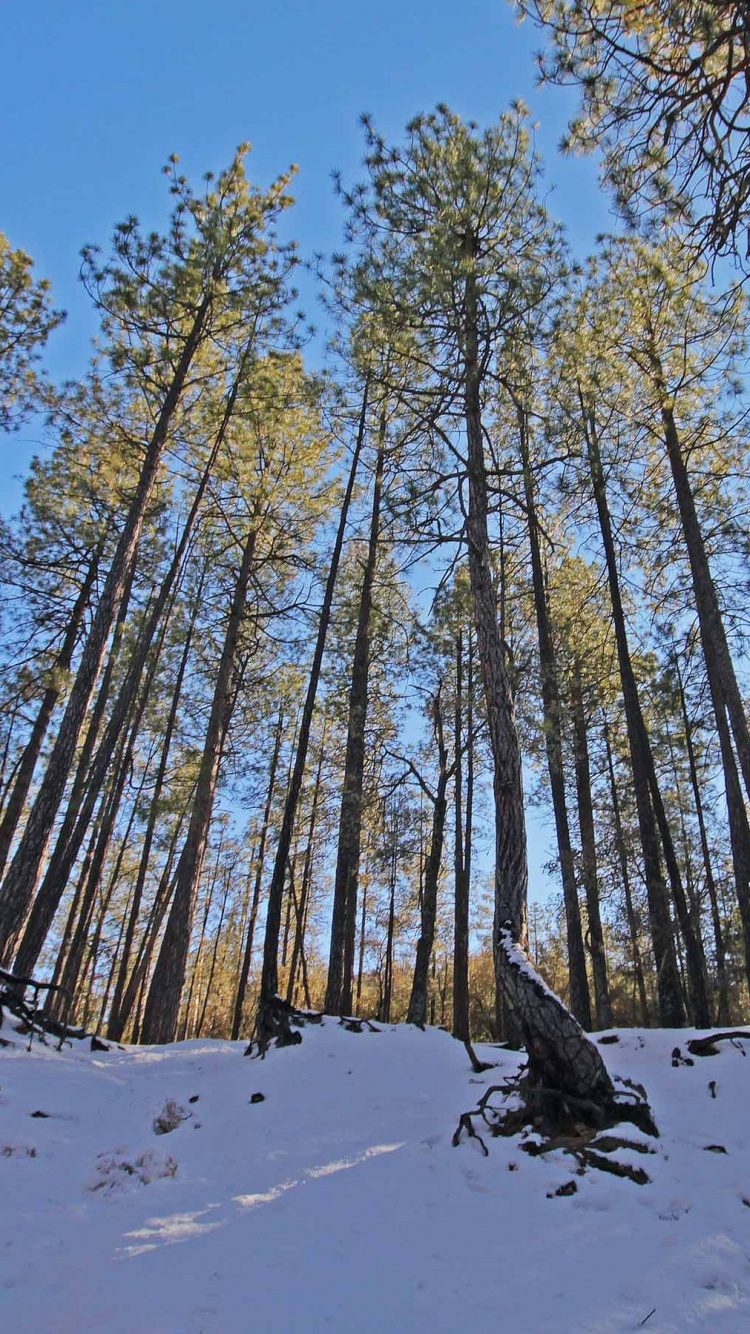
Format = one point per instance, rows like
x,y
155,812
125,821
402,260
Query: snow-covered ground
x,y
337,1203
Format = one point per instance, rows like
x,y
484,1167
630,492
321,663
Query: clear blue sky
x,y
96,94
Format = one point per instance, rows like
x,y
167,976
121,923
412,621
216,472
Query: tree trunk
x,y
270,975
93,952
20,881
298,948
122,768
115,1025
739,831
719,665
417,1013
361,962
385,1009
69,977
214,954
722,1017
33,747
580,1001
671,1009
136,982
80,811
248,954
338,998
588,853
163,1003
462,854
629,909
689,928
53,886
183,1028
560,1055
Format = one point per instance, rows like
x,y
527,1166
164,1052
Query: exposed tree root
x,y
354,1025
273,1023
33,1020
556,1120
277,1021
477,1066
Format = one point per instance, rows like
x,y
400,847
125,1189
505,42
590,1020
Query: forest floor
x,y
338,1202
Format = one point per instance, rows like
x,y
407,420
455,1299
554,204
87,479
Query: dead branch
x,y
706,1046
34,1020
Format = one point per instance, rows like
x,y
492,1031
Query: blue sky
x,y
96,94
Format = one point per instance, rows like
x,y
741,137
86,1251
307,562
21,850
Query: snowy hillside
x,y
337,1203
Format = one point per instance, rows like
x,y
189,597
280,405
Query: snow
x,y
339,1204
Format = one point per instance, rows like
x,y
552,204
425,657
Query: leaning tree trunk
x,y
20,881
33,748
719,666
122,771
270,975
580,1000
417,1013
338,999
163,1003
83,790
115,1024
81,806
71,970
560,1054
671,1009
